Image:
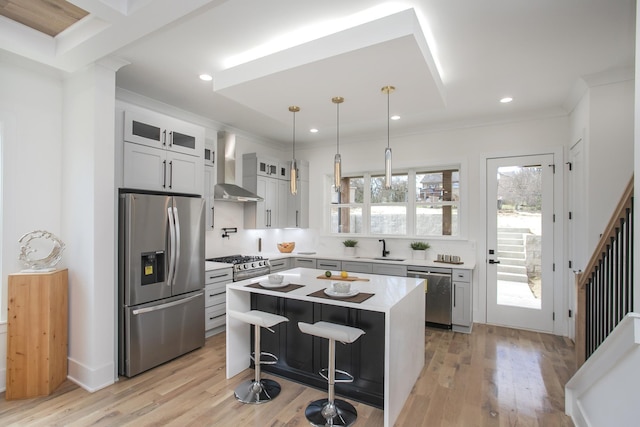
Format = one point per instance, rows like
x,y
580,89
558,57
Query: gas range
x,y
245,267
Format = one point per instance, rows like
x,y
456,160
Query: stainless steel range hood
x,y
227,189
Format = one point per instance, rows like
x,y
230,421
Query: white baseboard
x,y
91,379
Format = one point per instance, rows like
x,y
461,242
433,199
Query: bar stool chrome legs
x,y
258,390
332,411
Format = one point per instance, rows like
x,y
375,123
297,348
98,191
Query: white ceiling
x,y
450,60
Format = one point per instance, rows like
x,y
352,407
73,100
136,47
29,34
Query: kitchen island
x,y
393,344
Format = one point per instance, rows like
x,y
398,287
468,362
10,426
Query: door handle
x,y
492,261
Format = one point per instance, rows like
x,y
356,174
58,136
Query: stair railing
x,y
605,287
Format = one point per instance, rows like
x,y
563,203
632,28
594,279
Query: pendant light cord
x,y
294,135
338,128
388,124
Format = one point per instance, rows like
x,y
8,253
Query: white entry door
x,y
520,242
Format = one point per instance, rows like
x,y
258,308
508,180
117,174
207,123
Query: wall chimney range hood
x,y
227,190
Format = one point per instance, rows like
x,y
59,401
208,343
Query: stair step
x,y
511,248
514,230
513,261
511,277
510,241
512,255
516,269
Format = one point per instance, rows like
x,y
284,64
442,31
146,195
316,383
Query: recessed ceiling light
x,y
506,100
313,130
206,77
395,117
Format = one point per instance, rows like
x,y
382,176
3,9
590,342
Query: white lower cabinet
x,y
389,269
304,262
461,300
357,267
329,264
279,264
215,300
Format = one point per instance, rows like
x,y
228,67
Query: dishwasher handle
x,y
424,274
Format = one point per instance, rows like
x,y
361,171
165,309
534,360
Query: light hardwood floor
x,y
492,377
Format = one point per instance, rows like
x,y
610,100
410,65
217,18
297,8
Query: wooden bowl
x,y
286,247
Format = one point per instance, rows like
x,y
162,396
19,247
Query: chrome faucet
x,y
385,252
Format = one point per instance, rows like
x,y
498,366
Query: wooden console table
x,y
37,333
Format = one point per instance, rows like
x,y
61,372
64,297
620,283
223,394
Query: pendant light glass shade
x,y
293,174
337,172
337,160
387,151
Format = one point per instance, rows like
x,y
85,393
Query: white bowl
x,y
342,287
276,279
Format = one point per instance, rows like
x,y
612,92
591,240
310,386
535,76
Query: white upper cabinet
x,y
269,178
164,132
210,179
162,153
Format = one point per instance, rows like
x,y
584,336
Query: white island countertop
x,y
401,299
387,290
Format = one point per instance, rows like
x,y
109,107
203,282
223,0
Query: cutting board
x,y
346,279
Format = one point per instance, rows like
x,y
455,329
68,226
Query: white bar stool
x,y
258,390
332,411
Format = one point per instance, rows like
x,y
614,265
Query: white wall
x,y
30,113
466,146
610,152
88,219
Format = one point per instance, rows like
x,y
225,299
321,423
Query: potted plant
x,y
350,247
419,249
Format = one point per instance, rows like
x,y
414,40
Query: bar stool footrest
x,y
348,377
265,362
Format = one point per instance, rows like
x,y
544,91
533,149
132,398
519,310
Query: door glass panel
x,y
519,227
186,141
146,131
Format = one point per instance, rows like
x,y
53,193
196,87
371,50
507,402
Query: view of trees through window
x,y
380,211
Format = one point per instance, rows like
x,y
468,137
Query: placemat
x,y
348,279
362,296
290,287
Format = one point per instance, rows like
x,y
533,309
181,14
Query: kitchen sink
x,y
382,258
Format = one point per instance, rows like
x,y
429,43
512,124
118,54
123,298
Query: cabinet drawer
x,y
390,270
212,299
224,275
462,275
305,262
279,264
357,267
215,316
329,264
215,288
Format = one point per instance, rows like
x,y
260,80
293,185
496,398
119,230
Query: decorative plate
x,y
334,294
268,285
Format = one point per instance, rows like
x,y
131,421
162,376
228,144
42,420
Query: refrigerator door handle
x,y
178,236
166,305
172,247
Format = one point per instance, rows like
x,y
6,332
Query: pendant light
x,y
293,176
337,161
387,151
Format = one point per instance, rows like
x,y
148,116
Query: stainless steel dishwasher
x,y
437,293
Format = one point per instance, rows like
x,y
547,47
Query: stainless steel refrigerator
x,y
161,279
